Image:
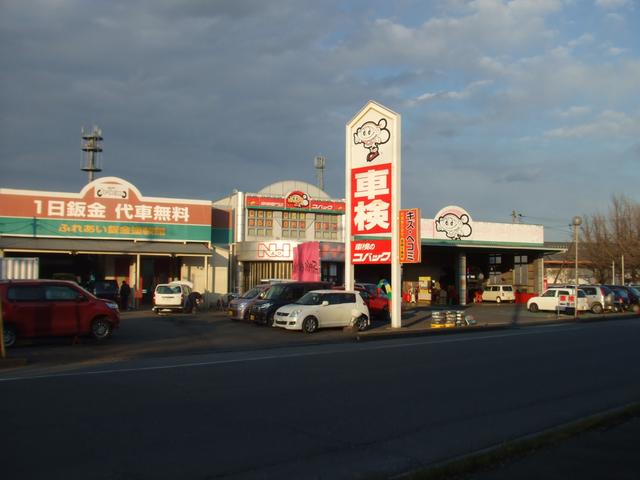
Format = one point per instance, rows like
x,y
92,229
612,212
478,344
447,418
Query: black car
x,y
634,296
280,294
105,289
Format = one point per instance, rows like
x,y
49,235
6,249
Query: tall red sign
x,y
410,246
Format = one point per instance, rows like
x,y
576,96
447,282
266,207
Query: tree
x,y
607,238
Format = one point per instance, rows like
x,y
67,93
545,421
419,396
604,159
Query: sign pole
x,y
373,148
396,270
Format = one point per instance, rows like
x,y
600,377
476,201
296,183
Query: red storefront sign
x,y
371,251
371,199
294,201
410,250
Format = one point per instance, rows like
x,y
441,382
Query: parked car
x,y
239,307
622,301
105,289
40,308
324,308
557,298
499,293
173,297
376,299
280,294
634,297
599,297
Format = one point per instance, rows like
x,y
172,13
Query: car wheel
x,y
361,323
596,308
269,321
9,335
533,308
310,325
498,300
100,328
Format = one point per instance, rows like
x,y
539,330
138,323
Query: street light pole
x,y
577,221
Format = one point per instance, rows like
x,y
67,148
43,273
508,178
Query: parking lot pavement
x,y
145,334
416,319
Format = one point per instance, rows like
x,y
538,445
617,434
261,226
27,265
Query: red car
x,y
376,300
39,308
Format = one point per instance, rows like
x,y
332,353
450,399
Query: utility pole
x,y
577,221
613,272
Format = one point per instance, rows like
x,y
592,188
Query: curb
x,y
488,458
421,332
13,362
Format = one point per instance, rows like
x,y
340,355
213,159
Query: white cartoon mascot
x,y
372,134
453,226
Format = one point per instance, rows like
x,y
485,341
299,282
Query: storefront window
x,y
260,223
326,227
520,270
294,225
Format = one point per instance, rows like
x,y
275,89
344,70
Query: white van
x,y
498,293
174,296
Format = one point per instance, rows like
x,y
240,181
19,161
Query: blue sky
x,y
521,105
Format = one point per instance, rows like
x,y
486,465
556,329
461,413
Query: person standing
x,y
125,292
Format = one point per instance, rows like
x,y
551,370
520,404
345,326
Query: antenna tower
x,y
91,146
319,162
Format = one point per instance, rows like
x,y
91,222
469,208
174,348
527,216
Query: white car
x,y
498,293
324,308
558,298
174,296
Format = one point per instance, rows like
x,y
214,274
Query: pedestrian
x,y
125,291
414,291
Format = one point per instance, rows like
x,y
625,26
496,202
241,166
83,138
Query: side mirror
x,y
325,303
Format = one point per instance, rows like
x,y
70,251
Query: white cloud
x,y
575,111
585,39
468,91
609,124
616,51
609,4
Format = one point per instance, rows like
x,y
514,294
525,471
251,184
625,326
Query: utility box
x,y
19,268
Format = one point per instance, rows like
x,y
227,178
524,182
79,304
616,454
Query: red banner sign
x,y
306,262
294,201
371,251
410,236
371,199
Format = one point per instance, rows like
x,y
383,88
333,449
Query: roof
x,y
65,245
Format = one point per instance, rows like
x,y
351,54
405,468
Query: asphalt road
x,y
339,410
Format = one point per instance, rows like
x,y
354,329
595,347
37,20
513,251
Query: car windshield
x,y
253,293
635,291
310,298
274,292
168,289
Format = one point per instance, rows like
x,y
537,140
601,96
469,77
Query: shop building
x,y
109,230
269,226
456,251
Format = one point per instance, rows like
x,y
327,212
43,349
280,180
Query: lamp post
x,y
577,221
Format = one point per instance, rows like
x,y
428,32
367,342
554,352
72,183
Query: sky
x,y
530,106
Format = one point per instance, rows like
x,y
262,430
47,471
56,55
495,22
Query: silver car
x,y
239,307
599,297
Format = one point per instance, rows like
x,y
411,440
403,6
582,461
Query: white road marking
x,y
317,350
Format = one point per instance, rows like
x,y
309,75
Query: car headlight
x,y
295,313
265,306
112,305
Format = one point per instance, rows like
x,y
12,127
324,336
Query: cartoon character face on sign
x,y
297,199
370,135
453,226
